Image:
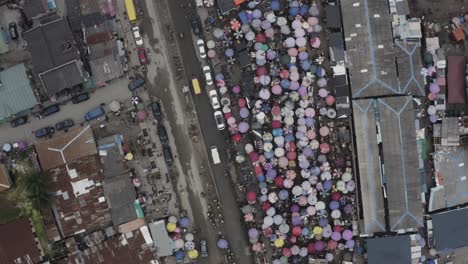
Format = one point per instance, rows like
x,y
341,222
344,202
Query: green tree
x,y
34,186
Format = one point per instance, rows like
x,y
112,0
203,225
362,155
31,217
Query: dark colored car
x,y
142,56
64,125
80,98
50,110
196,26
44,132
168,156
95,113
19,121
13,31
163,135
156,109
136,83
203,249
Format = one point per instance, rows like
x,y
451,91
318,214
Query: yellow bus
x,y
196,86
131,12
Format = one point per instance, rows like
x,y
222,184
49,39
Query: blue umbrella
x,y
275,5
180,255
305,65
334,205
303,10
289,138
184,222
222,243
327,185
277,132
269,154
315,170
262,185
261,178
271,173
285,83
283,195
320,72
219,76
293,11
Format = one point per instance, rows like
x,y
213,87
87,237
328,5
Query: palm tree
x,y
35,185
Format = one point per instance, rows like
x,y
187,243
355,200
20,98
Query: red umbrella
x,y
311,248
286,252
335,196
258,170
276,110
266,206
290,146
261,71
276,124
293,239
241,102
279,181
291,155
237,137
227,115
296,231
235,25
324,148
332,244
338,228
260,38
330,100
284,74
267,231
253,156
251,196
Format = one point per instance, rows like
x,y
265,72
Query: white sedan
x,y
137,36
201,48
207,73
214,99
219,120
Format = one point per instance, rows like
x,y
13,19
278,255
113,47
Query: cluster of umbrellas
x,y
184,242
7,147
434,89
305,191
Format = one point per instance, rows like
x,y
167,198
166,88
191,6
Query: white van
x,y
215,155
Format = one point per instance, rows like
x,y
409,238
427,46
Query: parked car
x,y
156,109
207,73
13,30
80,98
137,36
214,99
19,121
168,155
219,120
196,26
44,132
163,135
64,125
201,48
95,113
204,251
52,109
137,82
142,56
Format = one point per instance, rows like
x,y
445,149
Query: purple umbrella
x,y
336,236
315,170
293,85
350,186
347,234
334,205
236,89
244,112
295,208
348,209
309,122
271,174
271,54
266,24
253,233
319,245
257,13
229,53
303,55
283,195
296,220
327,185
322,82
184,222
305,65
323,92
222,243
243,127
307,151
434,88
302,91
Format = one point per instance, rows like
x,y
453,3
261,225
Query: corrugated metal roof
x,y
16,93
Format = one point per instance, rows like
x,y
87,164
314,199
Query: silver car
x,y
204,252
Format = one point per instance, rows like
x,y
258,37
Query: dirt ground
x,y
437,10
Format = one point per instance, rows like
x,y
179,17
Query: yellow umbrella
x,y
193,254
317,230
129,156
279,242
171,227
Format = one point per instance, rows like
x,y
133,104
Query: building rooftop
x,y
402,182
164,244
62,148
5,180
450,230
79,202
121,197
55,57
112,156
18,243
375,73
128,248
104,7
16,93
455,79
34,8
389,250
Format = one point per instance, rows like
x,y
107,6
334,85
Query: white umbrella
x,y
248,148
320,205
179,243
250,36
271,17
290,42
189,237
172,219
346,177
279,152
335,214
312,199
285,30
281,21
297,190
277,219
268,147
268,221
273,197
271,211
326,175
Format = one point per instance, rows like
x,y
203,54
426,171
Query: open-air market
x,y
233,131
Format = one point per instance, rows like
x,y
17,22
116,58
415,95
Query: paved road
x,y
233,229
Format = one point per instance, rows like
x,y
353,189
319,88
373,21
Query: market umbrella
x,y
211,53
171,227
434,88
315,42
210,44
319,245
285,30
235,24
250,36
229,53
323,92
347,234
222,244
6,147
189,245
179,255
301,42
218,33
243,127
279,242
253,233
184,222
